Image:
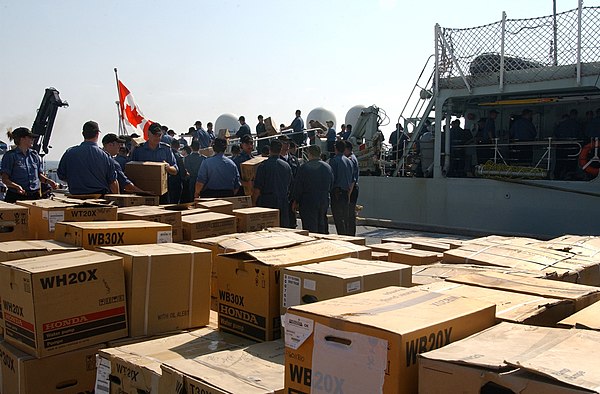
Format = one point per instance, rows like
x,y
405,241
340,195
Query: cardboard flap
x,y
570,357
260,240
586,318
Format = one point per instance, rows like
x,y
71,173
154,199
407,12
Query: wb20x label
x,y
325,383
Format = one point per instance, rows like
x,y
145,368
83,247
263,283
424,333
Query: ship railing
x,y
513,51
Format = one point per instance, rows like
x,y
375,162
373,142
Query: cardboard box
x,y
514,358
256,369
241,242
337,237
208,152
271,127
588,317
219,206
427,243
249,284
45,214
579,296
369,342
16,250
521,254
148,176
58,303
168,286
385,248
510,307
256,218
137,367
249,167
14,222
291,230
90,235
131,200
380,256
69,373
154,214
209,224
238,202
315,282
414,256
439,271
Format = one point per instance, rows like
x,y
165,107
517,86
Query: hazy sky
x,y
195,60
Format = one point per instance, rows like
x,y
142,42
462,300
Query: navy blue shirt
x,y
121,177
122,160
219,173
24,169
162,153
167,139
313,182
203,138
273,177
192,164
342,171
331,136
243,130
523,129
87,169
239,159
355,169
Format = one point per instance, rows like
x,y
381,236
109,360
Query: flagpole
x,y
122,129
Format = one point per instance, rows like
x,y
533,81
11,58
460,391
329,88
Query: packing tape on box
x,y
147,297
468,258
191,290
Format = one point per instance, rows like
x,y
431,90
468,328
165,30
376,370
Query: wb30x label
x,y
106,238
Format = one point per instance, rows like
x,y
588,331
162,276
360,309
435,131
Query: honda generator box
x,y
131,200
58,303
154,214
14,222
249,284
168,286
67,373
256,218
45,214
369,342
91,235
148,175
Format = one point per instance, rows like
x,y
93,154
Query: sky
x,y
194,60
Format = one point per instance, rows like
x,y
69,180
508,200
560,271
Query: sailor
x,y
261,133
21,168
331,137
201,135
218,176
244,128
342,188
86,168
175,182
156,151
210,132
523,129
192,164
293,162
272,184
111,144
347,132
351,229
297,127
312,186
247,145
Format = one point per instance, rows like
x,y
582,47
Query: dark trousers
x,y
314,216
352,211
340,208
271,200
12,196
175,189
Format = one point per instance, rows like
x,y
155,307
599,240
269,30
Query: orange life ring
x,y
583,159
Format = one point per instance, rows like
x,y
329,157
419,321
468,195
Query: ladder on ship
x,y
422,98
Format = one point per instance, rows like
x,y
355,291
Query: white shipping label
x,y
352,287
297,330
55,217
102,373
310,284
345,362
164,237
291,291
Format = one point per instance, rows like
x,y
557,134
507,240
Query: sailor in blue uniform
x,y
158,152
21,168
111,143
354,194
272,184
218,176
342,188
312,185
86,168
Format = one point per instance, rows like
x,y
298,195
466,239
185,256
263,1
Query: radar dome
x,y
353,114
322,115
227,121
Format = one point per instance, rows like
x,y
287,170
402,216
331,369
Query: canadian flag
x,y
131,112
